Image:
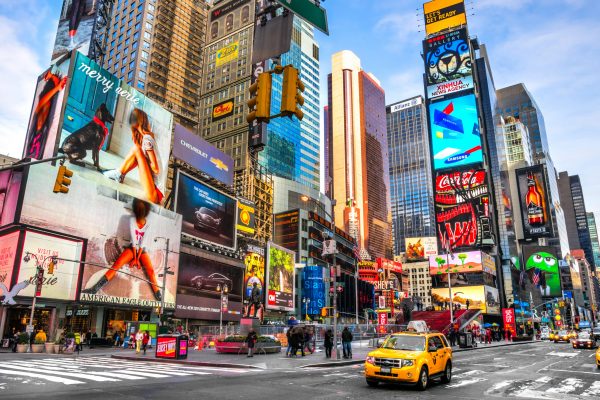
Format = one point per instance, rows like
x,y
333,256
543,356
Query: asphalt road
x,y
536,371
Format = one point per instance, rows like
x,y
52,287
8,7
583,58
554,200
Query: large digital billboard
x,y
541,266
82,25
475,295
199,285
533,198
110,133
124,234
443,14
448,64
313,290
462,209
62,283
280,278
208,214
8,254
420,248
255,270
203,156
456,263
246,217
455,134
286,229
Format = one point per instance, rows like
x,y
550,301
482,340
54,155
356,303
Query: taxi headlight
x,y
407,363
370,360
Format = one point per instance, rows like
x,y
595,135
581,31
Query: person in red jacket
x,y
145,341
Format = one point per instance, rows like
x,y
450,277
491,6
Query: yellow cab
x,y
598,358
410,357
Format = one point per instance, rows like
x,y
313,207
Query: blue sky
x,y
552,46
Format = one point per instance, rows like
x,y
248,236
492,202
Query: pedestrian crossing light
x,y
260,99
61,185
291,97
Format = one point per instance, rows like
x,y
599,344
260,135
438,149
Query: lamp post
x,y
448,254
306,302
39,281
223,291
164,277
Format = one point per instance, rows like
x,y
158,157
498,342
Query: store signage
x,y
227,8
385,285
508,317
222,110
406,104
382,318
443,14
227,54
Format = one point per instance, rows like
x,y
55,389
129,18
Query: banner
x,y
203,156
207,213
200,284
222,110
448,63
443,14
227,54
534,201
455,135
113,223
492,300
475,295
280,278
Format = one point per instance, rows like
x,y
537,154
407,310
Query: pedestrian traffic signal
x,y
61,185
291,97
260,99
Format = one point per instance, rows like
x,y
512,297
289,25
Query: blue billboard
x,y
313,290
456,138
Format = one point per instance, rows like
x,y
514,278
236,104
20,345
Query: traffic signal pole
x,y
18,165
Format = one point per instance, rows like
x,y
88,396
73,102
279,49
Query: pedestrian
x,y
78,346
328,343
139,336
452,336
288,335
308,340
347,342
488,336
251,340
145,340
88,338
468,303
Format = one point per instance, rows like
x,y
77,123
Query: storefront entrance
x,y
17,319
115,320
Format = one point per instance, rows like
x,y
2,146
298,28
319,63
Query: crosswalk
x,y
87,369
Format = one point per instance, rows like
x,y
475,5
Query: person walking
x,y
288,335
488,336
139,336
328,343
347,342
452,336
468,303
145,340
88,338
251,340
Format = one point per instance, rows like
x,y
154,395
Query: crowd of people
x,y
481,333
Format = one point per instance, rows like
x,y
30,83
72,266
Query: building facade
x,y
411,186
591,219
420,283
359,166
155,45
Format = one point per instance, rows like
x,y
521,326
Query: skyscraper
x,y
591,218
155,46
359,163
293,146
411,186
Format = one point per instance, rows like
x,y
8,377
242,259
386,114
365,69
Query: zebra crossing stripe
x,y
50,378
593,390
567,386
59,371
144,373
119,375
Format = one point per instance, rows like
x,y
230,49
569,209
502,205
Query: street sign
x,y
308,11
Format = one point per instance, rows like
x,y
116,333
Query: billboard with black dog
x,y
110,133
208,214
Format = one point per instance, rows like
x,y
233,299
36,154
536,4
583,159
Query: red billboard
x,y
462,209
508,317
166,347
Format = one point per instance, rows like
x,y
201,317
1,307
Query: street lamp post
x,y
306,302
449,282
223,291
164,277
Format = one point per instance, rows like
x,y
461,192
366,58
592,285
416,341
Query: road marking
x,y
593,390
81,375
469,373
567,386
50,378
465,382
560,354
573,371
499,385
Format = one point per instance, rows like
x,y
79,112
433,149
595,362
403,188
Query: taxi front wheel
x,y
372,383
423,379
447,377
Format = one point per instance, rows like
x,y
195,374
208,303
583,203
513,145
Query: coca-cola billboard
x,y
462,209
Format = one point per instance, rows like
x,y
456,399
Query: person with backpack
x,y
251,340
347,342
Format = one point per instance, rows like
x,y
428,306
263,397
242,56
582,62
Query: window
x,y
142,74
132,65
304,244
150,7
130,75
143,64
146,45
141,85
304,225
150,17
148,26
147,35
144,55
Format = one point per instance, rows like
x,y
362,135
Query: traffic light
x,y
260,99
291,97
61,185
51,266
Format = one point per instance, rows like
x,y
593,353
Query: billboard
x,y
455,135
448,64
82,25
313,290
203,156
542,269
201,278
114,224
208,214
286,230
8,254
62,284
222,110
420,248
443,14
255,270
280,278
246,220
474,294
534,201
492,300
462,209
458,263
227,54
10,188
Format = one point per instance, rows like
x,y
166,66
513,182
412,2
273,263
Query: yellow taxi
x,y
552,335
413,358
562,336
598,358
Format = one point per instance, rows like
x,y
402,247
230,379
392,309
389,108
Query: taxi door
x,y
432,356
439,357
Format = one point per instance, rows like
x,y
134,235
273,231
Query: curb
x,y
495,347
333,364
184,362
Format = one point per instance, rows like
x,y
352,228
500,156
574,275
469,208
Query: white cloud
x,y
19,72
403,27
403,85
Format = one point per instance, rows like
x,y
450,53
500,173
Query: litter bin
x,y
465,339
174,347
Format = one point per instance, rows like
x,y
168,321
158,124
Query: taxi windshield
x,y
411,343
563,333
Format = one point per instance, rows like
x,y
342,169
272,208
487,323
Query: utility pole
x,y
449,283
164,278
